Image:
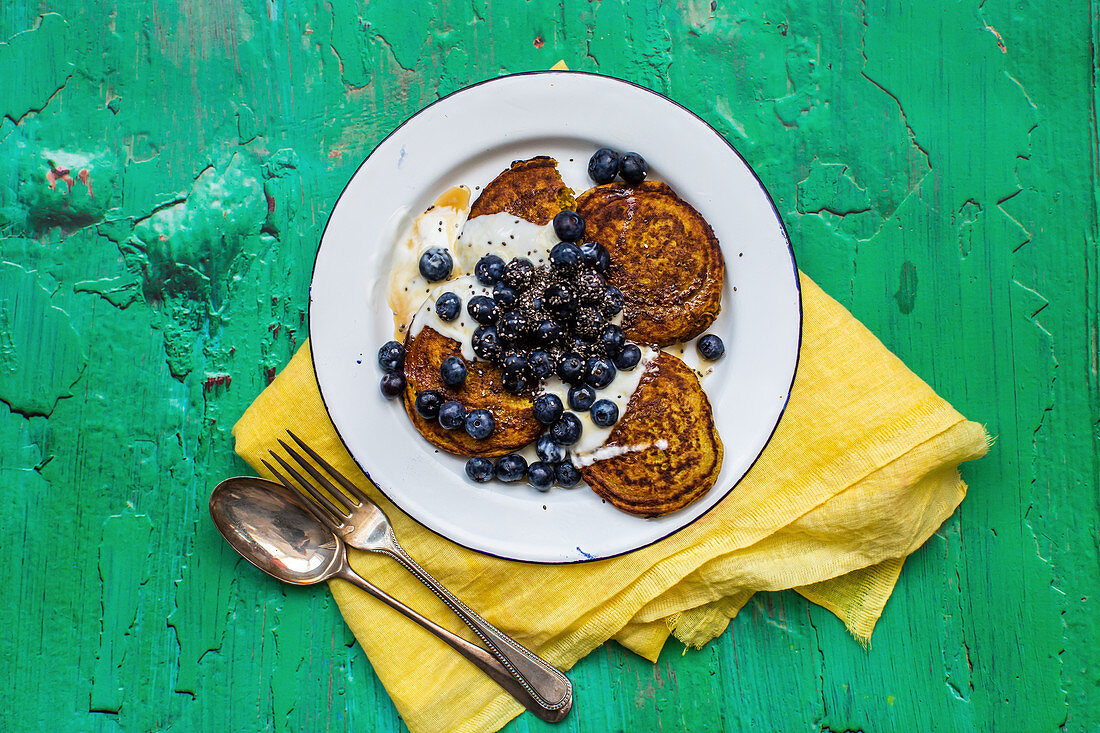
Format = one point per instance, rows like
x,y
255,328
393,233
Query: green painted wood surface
x,y
935,164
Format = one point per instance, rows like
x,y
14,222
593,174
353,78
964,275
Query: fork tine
x,y
315,510
341,478
337,515
338,495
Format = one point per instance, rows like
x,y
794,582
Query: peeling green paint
x,y
46,41
906,294
957,142
124,565
41,356
118,291
57,188
830,187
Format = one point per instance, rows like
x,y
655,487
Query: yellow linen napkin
x,y
861,471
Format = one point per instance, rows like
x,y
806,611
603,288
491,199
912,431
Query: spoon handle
x,y
547,684
477,656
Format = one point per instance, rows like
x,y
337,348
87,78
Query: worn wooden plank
x,y
936,167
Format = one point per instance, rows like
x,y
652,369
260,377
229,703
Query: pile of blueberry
x,y
391,357
552,447
431,405
553,319
553,465
605,164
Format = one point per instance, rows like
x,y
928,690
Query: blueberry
x,y
595,255
612,302
428,402
587,323
590,287
520,319
565,256
540,475
571,367
548,408
480,469
599,371
392,384
489,270
480,424
567,430
486,342
711,347
579,346
548,332
452,414
452,371
482,309
633,168
448,306
548,450
612,339
511,467
569,226
513,326
513,362
391,356
519,273
504,296
508,334
629,357
541,364
560,299
567,474
514,382
581,397
436,264
603,166
604,413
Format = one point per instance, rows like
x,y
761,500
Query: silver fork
x,y
363,525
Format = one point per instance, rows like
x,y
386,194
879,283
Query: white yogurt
x,y
461,329
613,451
506,236
439,226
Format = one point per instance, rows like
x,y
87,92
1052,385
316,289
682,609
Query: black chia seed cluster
x,y
546,315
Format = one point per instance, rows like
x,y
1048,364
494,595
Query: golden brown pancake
x,y
516,425
530,189
664,258
668,405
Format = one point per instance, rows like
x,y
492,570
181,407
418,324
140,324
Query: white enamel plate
x,y
468,138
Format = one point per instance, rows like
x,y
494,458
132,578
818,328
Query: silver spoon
x,y
271,528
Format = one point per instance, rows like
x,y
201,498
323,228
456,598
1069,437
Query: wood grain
x,y
166,170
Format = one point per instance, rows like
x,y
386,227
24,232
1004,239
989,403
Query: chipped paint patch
x,y
47,42
906,294
41,356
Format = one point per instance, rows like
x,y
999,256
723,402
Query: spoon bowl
x,y
271,528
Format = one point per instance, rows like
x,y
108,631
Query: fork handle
x,y
550,687
480,658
